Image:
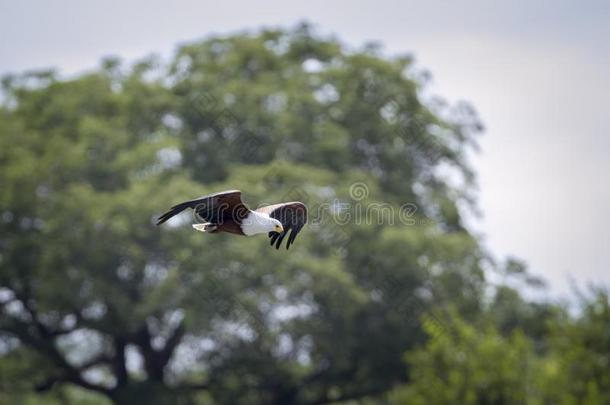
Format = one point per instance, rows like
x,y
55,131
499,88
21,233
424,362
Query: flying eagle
x,y
226,212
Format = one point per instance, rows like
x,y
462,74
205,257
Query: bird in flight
x,y
226,212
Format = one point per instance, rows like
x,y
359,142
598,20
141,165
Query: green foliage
x,y
469,365
476,364
576,370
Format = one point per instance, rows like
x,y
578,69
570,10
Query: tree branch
x,y
43,342
119,362
172,342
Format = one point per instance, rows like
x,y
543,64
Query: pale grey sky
x,y
538,74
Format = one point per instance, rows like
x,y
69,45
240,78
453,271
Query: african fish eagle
x,y
226,212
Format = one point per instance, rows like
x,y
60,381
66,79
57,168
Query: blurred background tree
x,y
98,305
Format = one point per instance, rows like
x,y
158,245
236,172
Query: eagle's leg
x,y
206,227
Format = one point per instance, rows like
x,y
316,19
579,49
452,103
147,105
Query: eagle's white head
x,y
256,223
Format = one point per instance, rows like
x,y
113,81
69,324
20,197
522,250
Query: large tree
x,y
93,295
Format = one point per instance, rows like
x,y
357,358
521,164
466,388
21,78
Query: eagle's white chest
x,y
256,223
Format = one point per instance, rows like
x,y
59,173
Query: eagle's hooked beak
x,y
279,229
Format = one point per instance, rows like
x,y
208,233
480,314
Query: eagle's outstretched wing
x,y
214,208
292,215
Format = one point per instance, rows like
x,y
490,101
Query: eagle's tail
x,y
207,227
175,210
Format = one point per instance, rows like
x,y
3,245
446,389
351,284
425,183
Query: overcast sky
x,y
538,74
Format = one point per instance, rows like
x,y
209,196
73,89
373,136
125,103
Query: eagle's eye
x,y
278,228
